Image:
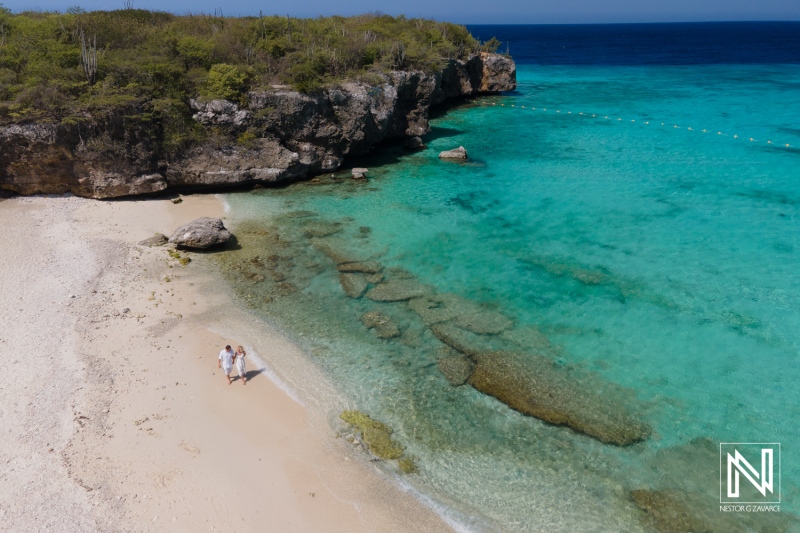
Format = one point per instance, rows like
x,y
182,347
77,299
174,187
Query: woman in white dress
x,y
239,361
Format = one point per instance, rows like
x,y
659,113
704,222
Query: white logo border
x,y
721,482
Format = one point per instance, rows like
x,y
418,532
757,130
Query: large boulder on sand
x,y
204,232
458,154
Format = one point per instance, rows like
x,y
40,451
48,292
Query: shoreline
x,y
134,428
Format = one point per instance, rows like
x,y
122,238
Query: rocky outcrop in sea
x,y
278,135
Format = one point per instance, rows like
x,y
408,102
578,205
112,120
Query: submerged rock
x,y
441,307
159,239
382,324
201,233
321,229
462,340
337,251
354,285
376,435
529,337
456,368
375,278
414,144
457,154
365,267
534,386
485,322
667,512
397,290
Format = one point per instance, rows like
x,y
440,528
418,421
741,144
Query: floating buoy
x,y
647,122
735,136
704,131
675,126
633,121
769,142
787,146
689,128
719,133
752,139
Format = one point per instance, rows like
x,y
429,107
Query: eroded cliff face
x,y
279,135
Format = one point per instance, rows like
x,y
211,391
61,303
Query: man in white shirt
x,y
226,362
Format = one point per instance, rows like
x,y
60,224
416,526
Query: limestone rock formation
x,y
354,285
456,369
456,154
201,233
360,173
384,326
397,290
296,135
365,267
414,144
159,239
533,386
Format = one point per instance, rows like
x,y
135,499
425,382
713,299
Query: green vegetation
x,y
182,259
152,62
376,435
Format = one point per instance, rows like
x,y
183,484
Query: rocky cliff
x,y
278,135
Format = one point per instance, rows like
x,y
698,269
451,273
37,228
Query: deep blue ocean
x,y
633,211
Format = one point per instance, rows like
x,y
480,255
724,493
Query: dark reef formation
x,y
278,135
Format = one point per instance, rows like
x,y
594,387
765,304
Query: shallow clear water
x,y
656,257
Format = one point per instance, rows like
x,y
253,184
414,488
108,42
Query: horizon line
x,y
603,23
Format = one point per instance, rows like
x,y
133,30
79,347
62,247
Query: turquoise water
x,y
661,259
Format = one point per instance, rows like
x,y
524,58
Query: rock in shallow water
x,y
441,307
456,369
201,233
354,285
462,340
485,322
338,251
382,324
414,144
397,290
532,385
321,229
365,267
457,154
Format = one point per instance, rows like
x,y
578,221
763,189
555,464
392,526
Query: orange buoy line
x,y
619,119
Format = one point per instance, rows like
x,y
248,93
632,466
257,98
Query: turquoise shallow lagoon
x,y
643,250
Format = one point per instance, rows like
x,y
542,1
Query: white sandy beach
x,y
113,415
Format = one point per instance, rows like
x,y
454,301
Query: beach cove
x,y
115,417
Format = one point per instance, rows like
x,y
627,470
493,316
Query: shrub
x,y
225,81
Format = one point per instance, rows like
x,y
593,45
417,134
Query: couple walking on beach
x,y
227,358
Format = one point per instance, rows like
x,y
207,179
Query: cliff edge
x,y
277,135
